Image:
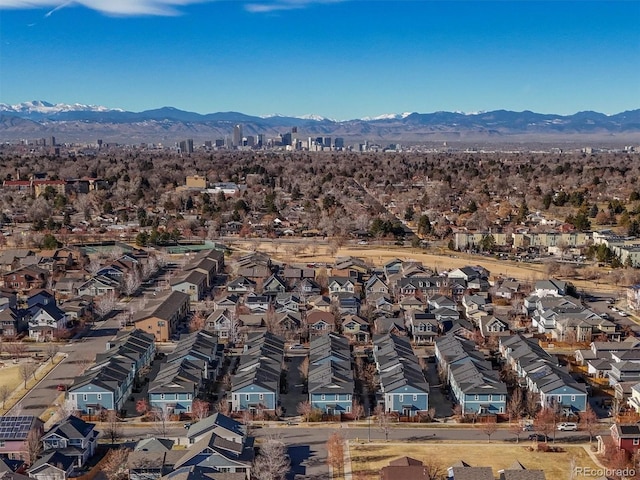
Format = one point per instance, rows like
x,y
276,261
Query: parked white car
x,y
568,427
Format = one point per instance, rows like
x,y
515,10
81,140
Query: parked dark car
x,y
539,437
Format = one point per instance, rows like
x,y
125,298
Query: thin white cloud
x,y
279,5
109,7
155,7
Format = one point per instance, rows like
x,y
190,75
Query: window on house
x,y
477,397
490,398
401,398
247,397
322,397
99,396
84,397
573,398
162,396
636,441
261,396
415,397
559,398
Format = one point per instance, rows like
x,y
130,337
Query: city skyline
x,y
338,59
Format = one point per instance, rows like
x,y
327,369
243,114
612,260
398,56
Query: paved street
x,y
307,442
79,353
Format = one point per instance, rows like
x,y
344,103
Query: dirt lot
x,y
369,459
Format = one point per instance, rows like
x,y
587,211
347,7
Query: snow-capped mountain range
x,y
78,121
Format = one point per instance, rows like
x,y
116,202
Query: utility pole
x,y
369,435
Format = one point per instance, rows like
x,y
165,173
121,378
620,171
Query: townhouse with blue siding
x,y
107,384
256,384
330,377
403,385
473,383
176,386
200,346
541,373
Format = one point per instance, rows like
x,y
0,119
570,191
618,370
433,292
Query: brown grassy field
x,y
369,459
10,376
437,258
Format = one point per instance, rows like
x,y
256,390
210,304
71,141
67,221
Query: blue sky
x,y
340,59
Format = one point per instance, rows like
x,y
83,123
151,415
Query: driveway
x,y
290,400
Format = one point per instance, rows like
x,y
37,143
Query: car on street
x,y
567,427
539,437
296,346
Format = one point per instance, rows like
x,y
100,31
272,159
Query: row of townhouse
x,y
547,240
256,384
107,384
474,385
565,318
602,357
161,316
330,376
196,360
198,276
541,374
403,386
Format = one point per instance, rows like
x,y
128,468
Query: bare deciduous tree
x,y
33,445
589,422
105,304
515,406
357,409
112,428
161,418
27,369
335,453
384,421
489,428
197,322
200,409
223,407
304,409
115,465
272,461
5,393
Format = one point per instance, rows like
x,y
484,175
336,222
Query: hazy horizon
x,y
340,59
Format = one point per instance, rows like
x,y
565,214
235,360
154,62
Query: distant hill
x,y
79,122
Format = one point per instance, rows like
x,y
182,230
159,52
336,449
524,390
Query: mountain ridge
x,y
170,123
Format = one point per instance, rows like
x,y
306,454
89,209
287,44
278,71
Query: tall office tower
x,y
326,142
260,140
189,145
250,141
338,143
237,136
208,144
182,146
286,139
52,141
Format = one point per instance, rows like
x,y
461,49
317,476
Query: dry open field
x,y
10,376
369,459
437,258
